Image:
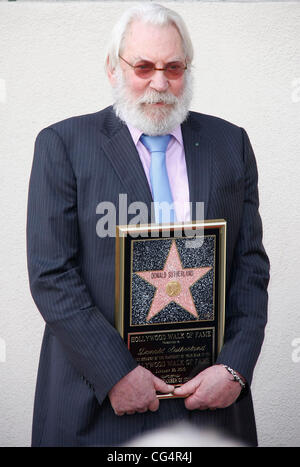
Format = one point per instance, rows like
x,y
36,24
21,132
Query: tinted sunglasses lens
x,y
144,70
174,70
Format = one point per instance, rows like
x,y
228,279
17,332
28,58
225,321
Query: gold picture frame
x,y
170,295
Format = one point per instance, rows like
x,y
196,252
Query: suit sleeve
x,y
90,342
247,298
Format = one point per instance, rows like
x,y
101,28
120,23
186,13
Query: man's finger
x,y
154,405
193,403
161,386
187,388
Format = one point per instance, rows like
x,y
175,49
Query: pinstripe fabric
x,y
78,163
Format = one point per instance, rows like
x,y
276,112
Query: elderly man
x,y
90,391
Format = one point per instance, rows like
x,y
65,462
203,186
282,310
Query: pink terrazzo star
x,y
173,284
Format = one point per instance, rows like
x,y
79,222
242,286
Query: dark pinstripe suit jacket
x,y
78,163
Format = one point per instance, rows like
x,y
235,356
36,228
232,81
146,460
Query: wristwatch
x,y
236,377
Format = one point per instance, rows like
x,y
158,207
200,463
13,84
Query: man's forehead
x,y
141,36
146,58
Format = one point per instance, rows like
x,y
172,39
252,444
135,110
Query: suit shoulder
x,y
102,122
211,122
220,132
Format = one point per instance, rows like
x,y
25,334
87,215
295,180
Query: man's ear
x,y
111,72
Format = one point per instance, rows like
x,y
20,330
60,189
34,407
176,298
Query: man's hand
x,y
136,392
213,388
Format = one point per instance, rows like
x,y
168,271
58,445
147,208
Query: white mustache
x,y
154,97
152,121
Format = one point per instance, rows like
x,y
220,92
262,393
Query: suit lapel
x,y
198,154
121,151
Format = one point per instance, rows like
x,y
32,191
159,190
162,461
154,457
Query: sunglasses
x,y
145,69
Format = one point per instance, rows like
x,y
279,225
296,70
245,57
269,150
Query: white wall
x,y
247,71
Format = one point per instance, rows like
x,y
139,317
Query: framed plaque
x,y
170,296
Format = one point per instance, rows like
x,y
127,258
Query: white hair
x,y
153,14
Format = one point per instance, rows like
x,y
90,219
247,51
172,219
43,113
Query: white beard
x,y
156,120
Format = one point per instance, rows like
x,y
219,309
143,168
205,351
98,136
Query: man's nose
x,y
159,82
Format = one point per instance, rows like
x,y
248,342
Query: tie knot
x,y
156,143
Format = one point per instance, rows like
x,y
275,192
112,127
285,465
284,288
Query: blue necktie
x,y
161,190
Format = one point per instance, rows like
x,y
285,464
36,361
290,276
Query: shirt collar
x,y
136,134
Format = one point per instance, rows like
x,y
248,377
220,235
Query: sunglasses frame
x,y
153,69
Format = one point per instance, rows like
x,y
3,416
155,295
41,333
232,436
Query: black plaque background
x,y
174,326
